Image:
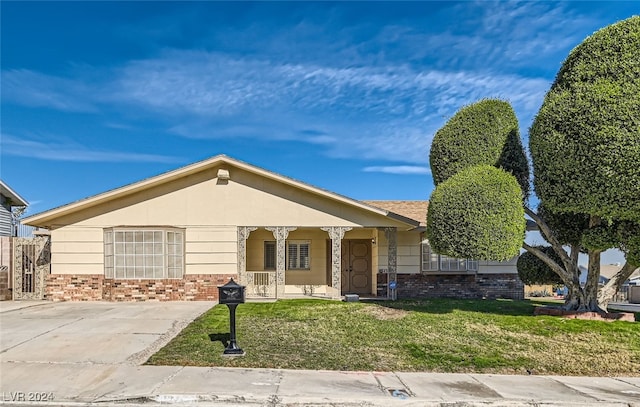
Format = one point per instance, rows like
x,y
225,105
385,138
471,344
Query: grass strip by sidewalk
x,y
483,336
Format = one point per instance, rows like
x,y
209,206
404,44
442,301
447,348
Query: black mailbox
x,y
231,293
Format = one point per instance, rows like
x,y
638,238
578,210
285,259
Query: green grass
x,y
483,336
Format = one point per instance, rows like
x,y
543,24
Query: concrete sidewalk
x,y
71,384
68,354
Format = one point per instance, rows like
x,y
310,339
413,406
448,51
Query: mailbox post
x,y
392,286
232,294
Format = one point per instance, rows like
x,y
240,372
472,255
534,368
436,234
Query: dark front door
x,y
356,266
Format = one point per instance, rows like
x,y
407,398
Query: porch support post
x,y
280,233
391,233
336,233
243,235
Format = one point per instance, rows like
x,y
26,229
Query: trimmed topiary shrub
x,y
477,214
629,237
532,270
568,228
585,140
483,133
601,237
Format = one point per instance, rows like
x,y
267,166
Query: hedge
x,y
477,213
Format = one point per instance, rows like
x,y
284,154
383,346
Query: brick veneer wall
x,y
94,287
460,286
5,293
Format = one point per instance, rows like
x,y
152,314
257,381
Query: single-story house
x,y
179,235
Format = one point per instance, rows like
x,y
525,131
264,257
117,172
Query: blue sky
x,y
345,96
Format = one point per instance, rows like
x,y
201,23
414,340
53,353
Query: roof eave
x,y
16,199
45,218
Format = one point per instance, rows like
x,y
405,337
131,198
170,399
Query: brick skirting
x,y
460,286
94,287
5,293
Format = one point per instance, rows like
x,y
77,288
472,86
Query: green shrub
x,y
601,237
483,133
585,140
532,270
629,237
477,213
568,228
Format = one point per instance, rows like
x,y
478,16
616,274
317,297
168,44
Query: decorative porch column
x,y
280,233
243,235
336,233
391,234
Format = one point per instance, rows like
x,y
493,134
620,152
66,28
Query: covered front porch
x,y
326,261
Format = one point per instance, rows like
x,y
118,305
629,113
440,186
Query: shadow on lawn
x,y
446,306
223,338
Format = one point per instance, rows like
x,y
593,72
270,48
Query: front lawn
x,y
481,336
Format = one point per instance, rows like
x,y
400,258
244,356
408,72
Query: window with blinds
x,y
143,254
269,255
432,261
298,255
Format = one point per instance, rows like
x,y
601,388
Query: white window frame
x,y
298,262
433,262
144,253
429,260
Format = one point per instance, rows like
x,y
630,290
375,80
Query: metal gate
x,y
261,284
32,259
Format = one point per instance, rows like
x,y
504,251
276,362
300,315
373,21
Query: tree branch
x,y
555,243
565,275
613,286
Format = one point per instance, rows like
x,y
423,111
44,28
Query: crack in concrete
x,y
406,386
142,356
166,380
43,333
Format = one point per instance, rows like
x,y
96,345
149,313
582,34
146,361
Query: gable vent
x,y
223,175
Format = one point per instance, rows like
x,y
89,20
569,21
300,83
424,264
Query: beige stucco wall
x,y
498,267
210,211
80,250
408,252
247,199
316,275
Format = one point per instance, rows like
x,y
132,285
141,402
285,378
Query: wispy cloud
x,y
211,84
373,112
35,89
399,169
54,151
347,102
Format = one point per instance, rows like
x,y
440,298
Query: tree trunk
x,y
592,283
575,299
613,286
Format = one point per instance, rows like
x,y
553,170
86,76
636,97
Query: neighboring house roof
x,y
45,218
416,210
610,270
16,200
583,276
607,271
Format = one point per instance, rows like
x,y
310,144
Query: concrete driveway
x,y
90,353
90,332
